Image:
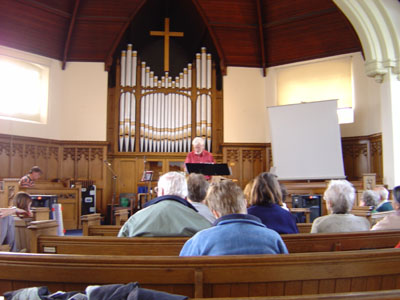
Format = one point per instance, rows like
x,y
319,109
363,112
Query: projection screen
x,y
306,142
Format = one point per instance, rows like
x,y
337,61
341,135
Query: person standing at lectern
x,y
29,179
199,154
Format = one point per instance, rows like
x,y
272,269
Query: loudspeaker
x,y
313,202
88,200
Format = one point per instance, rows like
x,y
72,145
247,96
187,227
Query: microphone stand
x,y
113,186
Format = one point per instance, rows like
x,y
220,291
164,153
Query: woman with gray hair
x,y
370,198
339,197
391,221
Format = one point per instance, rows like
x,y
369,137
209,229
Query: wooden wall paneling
x,y
42,159
82,162
362,159
53,162
232,157
17,157
348,160
269,161
376,157
96,163
128,176
29,156
246,160
247,166
5,154
68,162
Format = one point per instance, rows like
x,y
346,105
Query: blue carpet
x,y
74,232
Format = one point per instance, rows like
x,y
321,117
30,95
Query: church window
x,y
318,80
23,90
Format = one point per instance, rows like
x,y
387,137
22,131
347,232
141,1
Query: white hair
x,y
382,192
370,198
340,196
172,183
198,140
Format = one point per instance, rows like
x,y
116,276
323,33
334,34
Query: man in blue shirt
x,y
234,232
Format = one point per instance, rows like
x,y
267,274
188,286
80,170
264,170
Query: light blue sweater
x,y
235,234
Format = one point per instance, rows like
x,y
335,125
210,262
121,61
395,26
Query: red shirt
x,y
203,157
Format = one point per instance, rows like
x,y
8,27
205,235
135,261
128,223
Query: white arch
x,y
378,27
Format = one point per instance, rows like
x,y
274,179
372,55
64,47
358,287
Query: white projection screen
x,y
306,142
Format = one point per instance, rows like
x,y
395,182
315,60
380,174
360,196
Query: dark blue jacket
x,y
275,217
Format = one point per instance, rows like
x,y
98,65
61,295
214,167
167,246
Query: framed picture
x,y
147,176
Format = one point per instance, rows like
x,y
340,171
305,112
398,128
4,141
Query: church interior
x,y
127,85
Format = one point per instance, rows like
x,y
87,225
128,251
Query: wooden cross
x,y
166,34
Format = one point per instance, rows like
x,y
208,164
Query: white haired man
x,y
339,198
167,215
199,154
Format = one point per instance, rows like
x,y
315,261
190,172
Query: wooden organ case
x,y
154,119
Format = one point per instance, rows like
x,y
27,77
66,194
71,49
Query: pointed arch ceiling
x,y
247,33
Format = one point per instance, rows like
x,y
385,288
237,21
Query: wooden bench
x,y
91,226
218,276
171,246
371,295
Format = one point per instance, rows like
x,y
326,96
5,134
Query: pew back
x,y
223,276
171,246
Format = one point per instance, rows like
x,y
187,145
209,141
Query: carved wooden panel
x,y
376,157
246,160
17,160
68,162
96,163
4,159
41,158
52,170
82,161
362,155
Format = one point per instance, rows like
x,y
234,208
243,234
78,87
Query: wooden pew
x,y
371,295
91,226
218,276
171,246
69,198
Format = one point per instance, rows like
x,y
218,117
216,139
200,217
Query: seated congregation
x,y
218,220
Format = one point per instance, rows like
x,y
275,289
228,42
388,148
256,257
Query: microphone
x,y
107,163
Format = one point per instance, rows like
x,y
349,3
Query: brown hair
x,y
226,198
22,200
247,191
266,190
197,187
35,169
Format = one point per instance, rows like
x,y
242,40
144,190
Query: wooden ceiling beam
x,y
300,17
222,59
233,25
261,36
69,34
109,57
102,19
44,7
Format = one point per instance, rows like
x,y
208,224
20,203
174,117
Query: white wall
x,y
247,94
244,106
77,102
